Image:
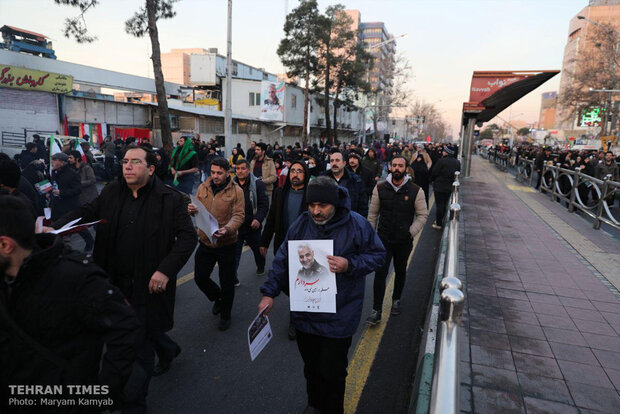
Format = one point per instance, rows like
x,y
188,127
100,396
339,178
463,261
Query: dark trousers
x,y
137,386
109,167
252,239
441,199
165,348
400,253
205,260
325,369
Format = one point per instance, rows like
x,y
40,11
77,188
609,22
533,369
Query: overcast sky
x,y
447,39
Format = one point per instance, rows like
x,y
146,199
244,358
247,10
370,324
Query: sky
x,y
446,39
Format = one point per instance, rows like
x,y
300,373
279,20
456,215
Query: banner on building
x,y
272,101
485,84
34,80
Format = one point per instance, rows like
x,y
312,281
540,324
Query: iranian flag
x,y
54,149
78,148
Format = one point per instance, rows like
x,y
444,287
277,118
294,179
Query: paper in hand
x,y
259,334
205,220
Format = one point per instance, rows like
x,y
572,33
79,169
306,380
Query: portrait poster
x,y
272,101
259,334
312,286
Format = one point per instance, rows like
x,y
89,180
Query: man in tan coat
x,y
225,201
263,167
398,212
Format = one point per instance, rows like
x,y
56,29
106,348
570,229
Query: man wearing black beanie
x,y
324,339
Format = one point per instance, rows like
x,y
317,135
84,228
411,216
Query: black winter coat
x,y
70,187
67,305
368,178
357,191
442,174
169,238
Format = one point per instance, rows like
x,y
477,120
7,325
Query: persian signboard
x,y
34,80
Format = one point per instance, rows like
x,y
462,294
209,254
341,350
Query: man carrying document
x,y
324,338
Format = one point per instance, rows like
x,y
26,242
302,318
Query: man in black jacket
x,y
57,310
442,177
146,239
352,182
256,208
354,166
67,186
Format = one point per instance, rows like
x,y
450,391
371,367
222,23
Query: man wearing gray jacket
x,y
398,212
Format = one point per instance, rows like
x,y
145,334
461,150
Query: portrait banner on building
x,y
272,101
312,286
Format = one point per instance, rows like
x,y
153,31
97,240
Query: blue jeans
x,y
252,239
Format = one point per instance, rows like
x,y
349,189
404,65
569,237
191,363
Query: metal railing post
x,y
573,191
599,208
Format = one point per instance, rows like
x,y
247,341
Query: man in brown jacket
x,y
263,167
225,201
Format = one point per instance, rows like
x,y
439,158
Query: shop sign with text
x,y
34,80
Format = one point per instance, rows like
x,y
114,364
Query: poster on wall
x,y
272,101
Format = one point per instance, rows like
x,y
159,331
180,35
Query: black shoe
x,y
237,283
217,307
396,307
260,272
292,334
163,365
374,318
224,324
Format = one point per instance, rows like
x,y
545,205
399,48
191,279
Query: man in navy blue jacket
x,y
324,339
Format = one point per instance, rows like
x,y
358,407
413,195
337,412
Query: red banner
x,y
485,84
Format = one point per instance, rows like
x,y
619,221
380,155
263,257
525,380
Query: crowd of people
x,y
371,201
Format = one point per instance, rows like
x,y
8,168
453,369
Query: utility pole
x,y
228,110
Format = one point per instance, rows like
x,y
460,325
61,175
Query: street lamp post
x,y
385,42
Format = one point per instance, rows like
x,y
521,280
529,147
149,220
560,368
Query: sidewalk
x,y
542,320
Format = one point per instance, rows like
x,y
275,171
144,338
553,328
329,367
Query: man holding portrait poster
x,y
324,338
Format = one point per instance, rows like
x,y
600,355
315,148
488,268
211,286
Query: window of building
x,y
252,99
235,69
293,101
258,98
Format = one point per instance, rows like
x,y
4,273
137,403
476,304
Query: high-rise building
x,y
373,33
581,42
548,105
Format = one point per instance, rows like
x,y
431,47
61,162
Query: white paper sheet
x,y
205,220
312,286
66,227
259,334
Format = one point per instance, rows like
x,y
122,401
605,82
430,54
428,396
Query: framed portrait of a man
x,y
312,285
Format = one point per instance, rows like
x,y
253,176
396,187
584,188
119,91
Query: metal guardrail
x,y
446,381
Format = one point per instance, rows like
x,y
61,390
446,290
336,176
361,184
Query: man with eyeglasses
x,y
143,243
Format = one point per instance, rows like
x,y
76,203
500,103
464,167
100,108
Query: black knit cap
x,y
322,190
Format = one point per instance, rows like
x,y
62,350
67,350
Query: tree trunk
x,y
304,131
162,103
328,134
336,106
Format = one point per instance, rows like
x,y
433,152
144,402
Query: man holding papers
x,y
324,338
224,200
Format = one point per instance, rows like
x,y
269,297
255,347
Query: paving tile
x,y
496,378
564,336
576,303
538,288
465,373
585,314
508,303
614,376
492,401
587,396
584,374
544,388
516,315
548,309
536,406
605,296
537,365
465,399
489,324
607,307
489,339
608,359
601,328
530,346
493,357
573,353
543,298
507,284
603,342
562,322
512,294
522,329
569,292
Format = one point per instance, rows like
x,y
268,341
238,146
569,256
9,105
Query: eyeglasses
x,y
297,171
132,162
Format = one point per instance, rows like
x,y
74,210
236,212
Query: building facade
x,y
548,107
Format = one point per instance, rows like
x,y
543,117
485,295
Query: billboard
x,y
34,80
591,117
272,101
484,85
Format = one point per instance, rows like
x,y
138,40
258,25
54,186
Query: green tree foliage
x,y
298,50
522,132
144,21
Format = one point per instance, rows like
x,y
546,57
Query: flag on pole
x,y
79,149
54,148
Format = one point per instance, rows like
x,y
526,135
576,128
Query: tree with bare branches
x,y
143,21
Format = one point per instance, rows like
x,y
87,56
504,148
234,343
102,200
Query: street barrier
x,y
591,196
437,382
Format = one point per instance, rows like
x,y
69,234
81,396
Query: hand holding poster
x,y
312,285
